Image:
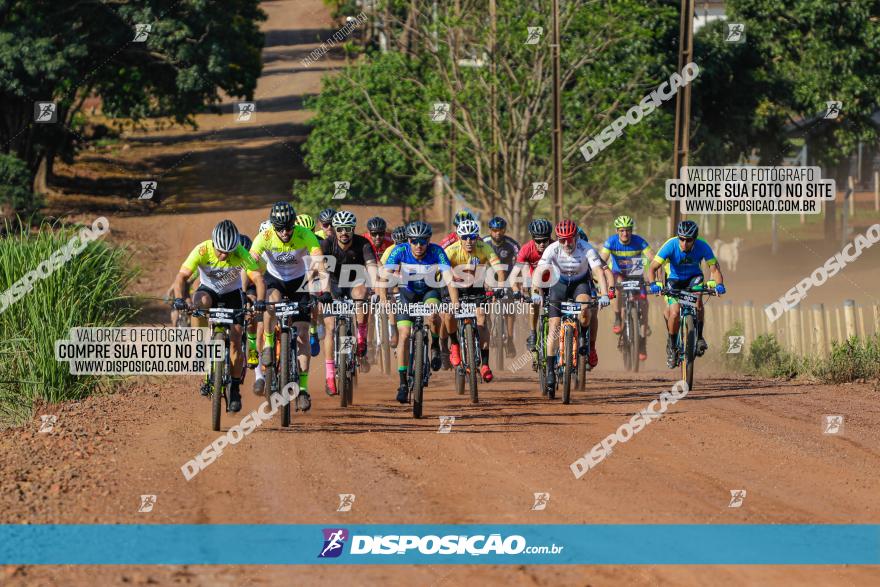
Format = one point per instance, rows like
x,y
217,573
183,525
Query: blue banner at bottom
x,y
625,544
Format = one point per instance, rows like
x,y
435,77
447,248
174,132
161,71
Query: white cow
x,y
727,253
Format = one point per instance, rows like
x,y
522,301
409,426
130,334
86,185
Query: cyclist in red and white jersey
x,y
576,263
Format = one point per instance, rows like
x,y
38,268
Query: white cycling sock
x,y
259,372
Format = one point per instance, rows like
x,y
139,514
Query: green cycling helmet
x,y
305,221
624,222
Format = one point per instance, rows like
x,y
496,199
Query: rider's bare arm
x,y
180,282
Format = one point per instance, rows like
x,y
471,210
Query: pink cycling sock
x,y
362,332
331,369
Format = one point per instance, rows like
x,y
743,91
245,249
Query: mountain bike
x,y
419,372
539,361
631,292
285,368
345,348
686,339
382,336
219,380
469,339
569,361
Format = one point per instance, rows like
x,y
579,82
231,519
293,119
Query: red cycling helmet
x,y
566,229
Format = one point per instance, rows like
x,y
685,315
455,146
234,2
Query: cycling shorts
x,y
429,296
568,291
685,283
289,290
233,299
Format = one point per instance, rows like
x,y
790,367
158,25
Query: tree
x,y
67,52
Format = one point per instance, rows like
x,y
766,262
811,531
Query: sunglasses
x,y
542,241
284,229
377,234
567,241
418,241
344,229
685,240
470,237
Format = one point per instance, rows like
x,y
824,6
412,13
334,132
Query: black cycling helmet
x,y
398,235
462,215
540,228
326,215
687,229
282,215
419,229
225,236
497,222
376,224
245,241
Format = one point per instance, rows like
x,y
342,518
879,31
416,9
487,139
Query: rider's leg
x,y
672,325
303,356
267,357
454,343
329,354
617,304
485,371
404,325
359,292
534,310
235,356
510,349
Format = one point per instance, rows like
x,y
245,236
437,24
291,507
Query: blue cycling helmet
x,y
497,222
687,229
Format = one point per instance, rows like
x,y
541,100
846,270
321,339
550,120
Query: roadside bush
x,y
851,360
16,195
768,358
733,361
88,290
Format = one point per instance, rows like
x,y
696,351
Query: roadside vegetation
x,y
89,290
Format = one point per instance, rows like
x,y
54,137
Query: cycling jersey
x,y
572,266
627,259
414,271
387,253
449,239
507,249
481,255
529,255
359,252
382,245
221,277
684,265
286,261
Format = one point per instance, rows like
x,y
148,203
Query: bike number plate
x,y
220,315
467,311
632,285
420,310
570,307
688,299
286,309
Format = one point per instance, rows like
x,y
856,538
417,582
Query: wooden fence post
x,y
864,332
849,315
839,324
819,330
795,329
748,322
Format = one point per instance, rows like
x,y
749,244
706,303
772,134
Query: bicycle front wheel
x,y
418,368
471,361
217,386
568,347
284,377
689,336
635,334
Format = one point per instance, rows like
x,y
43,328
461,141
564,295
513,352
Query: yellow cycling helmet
x,y
624,222
305,221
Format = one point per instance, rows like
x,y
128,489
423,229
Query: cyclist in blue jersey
x,y
627,253
416,263
682,257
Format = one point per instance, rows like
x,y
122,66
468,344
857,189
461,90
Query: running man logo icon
x,y
246,111
346,500
446,423
541,500
147,503
148,190
735,32
440,112
832,424
535,33
141,32
47,423
833,109
737,496
340,189
735,344
45,112
334,541
539,190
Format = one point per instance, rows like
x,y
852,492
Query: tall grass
x,y
88,290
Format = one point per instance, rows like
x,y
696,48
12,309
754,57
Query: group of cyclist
x,y
294,259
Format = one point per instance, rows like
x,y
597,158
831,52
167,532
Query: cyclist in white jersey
x,y
571,259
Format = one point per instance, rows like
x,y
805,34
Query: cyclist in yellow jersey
x,y
325,218
465,256
220,262
285,249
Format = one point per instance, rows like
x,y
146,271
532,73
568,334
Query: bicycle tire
x,y
471,362
217,391
581,365
690,348
635,336
385,350
342,360
499,353
541,354
418,367
284,377
567,347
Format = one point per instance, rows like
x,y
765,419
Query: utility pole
x,y
557,119
450,202
682,103
493,109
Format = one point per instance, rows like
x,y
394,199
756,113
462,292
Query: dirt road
x,y
730,433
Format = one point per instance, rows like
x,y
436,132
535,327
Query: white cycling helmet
x,y
468,227
344,218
